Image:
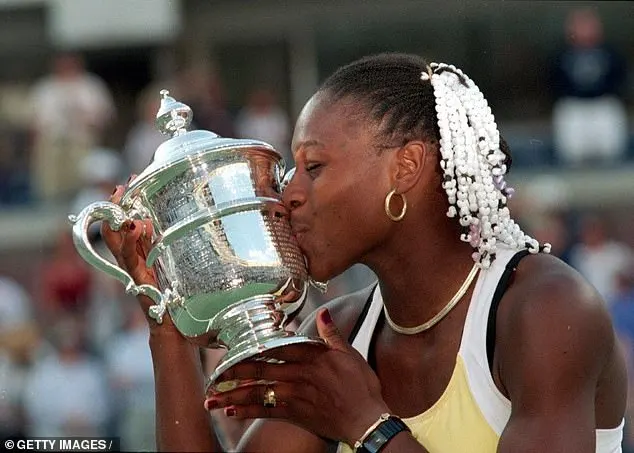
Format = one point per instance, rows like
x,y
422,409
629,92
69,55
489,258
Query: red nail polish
x,y
211,404
325,316
230,412
132,226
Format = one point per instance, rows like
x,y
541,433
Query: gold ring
x,y
269,397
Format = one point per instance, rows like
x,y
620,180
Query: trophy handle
x,y
115,216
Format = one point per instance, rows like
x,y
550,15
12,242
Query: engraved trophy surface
x,y
228,268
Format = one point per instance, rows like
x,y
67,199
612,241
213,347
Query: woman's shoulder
x,y
548,305
344,310
544,287
543,274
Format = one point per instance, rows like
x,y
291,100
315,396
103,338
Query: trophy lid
x,y
173,118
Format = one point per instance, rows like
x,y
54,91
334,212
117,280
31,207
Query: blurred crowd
x,y
63,152
74,356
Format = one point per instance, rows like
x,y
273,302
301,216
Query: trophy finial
x,y
173,117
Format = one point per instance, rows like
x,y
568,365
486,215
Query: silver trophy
x,y
229,270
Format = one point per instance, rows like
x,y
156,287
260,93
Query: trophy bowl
x,y
229,270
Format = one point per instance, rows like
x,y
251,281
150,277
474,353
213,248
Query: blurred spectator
x,y
14,171
543,194
623,305
66,279
99,171
552,228
66,391
71,109
106,313
199,87
18,338
129,367
263,119
623,317
543,207
598,257
589,117
143,138
15,142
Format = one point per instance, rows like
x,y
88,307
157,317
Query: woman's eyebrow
x,y
308,144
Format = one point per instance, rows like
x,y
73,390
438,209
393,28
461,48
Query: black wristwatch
x,y
377,438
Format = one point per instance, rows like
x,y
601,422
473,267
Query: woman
x,y
474,338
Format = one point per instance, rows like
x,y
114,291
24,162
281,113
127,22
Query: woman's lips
x,y
299,236
299,227
299,230
299,233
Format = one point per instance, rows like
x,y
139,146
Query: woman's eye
x,y
313,168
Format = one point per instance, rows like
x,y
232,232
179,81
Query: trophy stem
x,y
249,329
250,320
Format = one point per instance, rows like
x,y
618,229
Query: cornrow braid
x,y
412,99
389,84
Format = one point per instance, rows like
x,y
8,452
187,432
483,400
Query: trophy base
x,y
256,351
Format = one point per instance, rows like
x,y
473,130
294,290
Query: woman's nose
x,y
293,195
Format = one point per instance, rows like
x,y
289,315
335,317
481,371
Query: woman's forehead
x,y
324,120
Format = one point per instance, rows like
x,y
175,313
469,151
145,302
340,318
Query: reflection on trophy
x,y
229,270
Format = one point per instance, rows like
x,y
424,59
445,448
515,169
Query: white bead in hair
x,y
473,166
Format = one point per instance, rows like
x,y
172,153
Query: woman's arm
x,y
182,423
557,350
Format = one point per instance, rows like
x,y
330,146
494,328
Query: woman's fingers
x,y
147,235
131,232
258,370
249,400
117,194
281,411
300,352
131,243
112,238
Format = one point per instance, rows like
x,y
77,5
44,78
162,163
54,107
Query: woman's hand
x,y
130,246
330,391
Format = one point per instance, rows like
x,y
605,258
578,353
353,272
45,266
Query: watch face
x,y
382,434
376,440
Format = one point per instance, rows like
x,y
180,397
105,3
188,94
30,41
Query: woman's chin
x,y
321,273
318,274
321,268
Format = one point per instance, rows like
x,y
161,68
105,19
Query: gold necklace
x,y
441,314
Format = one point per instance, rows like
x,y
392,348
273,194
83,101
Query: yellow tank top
x,y
471,414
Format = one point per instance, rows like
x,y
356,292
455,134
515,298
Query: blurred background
x,y
79,84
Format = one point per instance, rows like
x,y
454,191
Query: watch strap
x,y
378,437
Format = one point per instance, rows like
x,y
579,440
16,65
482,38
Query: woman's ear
x,y
409,165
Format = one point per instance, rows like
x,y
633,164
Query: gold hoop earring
x,y
388,198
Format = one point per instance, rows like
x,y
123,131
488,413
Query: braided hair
x,y
389,85
411,99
